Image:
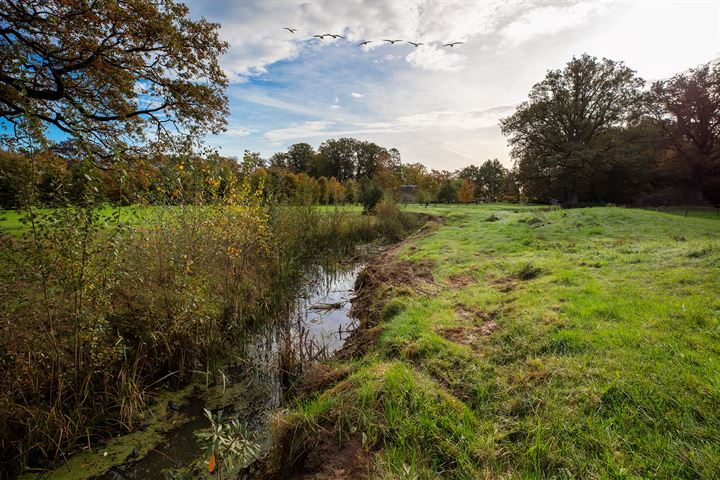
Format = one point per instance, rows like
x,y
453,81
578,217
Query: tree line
x,y
340,171
591,133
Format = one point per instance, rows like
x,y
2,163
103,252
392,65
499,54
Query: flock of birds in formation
x,y
391,42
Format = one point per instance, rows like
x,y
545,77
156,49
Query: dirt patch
x,y
481,324
460,280
359,342
337,462
504,284
468,335
476,316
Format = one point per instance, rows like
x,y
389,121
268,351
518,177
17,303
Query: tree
x,y
351,191
490,177
251,161
369,158
370,195
466,194
107,71
448,192
299,157
687,109
336,158
279,160
556,134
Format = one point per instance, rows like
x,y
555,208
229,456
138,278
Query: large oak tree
x,y
109,72
558,135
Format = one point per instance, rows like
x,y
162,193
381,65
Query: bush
x,y
370,195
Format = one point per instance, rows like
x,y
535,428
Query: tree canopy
x,y
687,109
109,72
557,135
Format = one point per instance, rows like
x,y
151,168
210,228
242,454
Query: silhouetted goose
x,y
337,36
364,43
322,37
452,44
391,42
291,30
415,44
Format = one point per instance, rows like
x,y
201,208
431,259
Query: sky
x,y
438,105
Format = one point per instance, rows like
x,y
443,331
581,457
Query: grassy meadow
x,y
532,343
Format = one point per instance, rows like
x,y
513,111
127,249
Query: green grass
x,y
12,220
605,362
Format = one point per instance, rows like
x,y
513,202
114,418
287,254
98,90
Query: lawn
x,y
545,343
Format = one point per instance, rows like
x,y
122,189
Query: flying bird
x,y
392,42
322,37
415,44
364,43
337,36
452,44
291,30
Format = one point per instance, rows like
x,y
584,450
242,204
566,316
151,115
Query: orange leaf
x,y
211,465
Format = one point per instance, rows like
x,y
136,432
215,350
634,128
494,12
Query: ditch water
x,y
253,385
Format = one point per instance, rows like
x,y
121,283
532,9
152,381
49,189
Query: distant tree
x,y
448,192
335,192
414,174
472,173
336,158
300,157
395,160
466,194
687,109
106,72
388,180
251,161
557,134
370,157
369,195
307,190
490,176
279,160
510,190
351,191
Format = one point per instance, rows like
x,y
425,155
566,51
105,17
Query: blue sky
x,y
438,106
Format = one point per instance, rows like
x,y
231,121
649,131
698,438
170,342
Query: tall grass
x,y
97,313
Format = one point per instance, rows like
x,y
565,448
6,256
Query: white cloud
x,y
307,129
434,59
237,132
549,20
438,120
357,95
334,106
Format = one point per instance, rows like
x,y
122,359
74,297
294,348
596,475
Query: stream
x,y
252,385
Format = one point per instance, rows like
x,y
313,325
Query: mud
x,y
330,460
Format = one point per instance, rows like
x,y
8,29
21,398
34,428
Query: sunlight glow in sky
x,y
438,106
